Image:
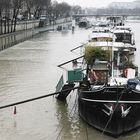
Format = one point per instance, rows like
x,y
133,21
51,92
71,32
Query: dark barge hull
x,y
94,109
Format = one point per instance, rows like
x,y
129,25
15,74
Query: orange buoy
x,y
94,76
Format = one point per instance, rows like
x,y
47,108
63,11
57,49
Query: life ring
x,y
126,72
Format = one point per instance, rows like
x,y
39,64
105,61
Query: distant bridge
x,y
106,15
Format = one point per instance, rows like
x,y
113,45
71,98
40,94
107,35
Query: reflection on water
x,y
7,41
30,69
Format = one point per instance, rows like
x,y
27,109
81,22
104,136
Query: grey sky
x,y
92,3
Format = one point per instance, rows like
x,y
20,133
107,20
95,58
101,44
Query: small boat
x,y
101,26
83,23
116,21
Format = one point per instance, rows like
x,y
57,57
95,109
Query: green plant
x,y
92,53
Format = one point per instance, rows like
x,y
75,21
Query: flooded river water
x,y
28,70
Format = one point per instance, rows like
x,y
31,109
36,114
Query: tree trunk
x,y
8,28
1,27
11,25
4,26
15,23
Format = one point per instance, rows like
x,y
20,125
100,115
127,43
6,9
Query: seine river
x,y
28,70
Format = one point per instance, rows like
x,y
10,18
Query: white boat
x,y
116,21
124,34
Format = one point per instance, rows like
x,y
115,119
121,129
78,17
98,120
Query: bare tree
x,y
4,15
39,7
1,7
58,10
1,11
36,7
76,9
16,6
30,7
64,9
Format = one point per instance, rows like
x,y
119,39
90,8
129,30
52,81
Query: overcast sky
x,y
92,3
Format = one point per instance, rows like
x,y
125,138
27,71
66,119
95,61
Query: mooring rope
x,y
113,110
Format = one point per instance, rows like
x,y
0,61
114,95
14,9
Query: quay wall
x,y
25,25
21,25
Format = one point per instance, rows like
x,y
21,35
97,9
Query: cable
x,y
113,111
86,131
74,106
63,126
